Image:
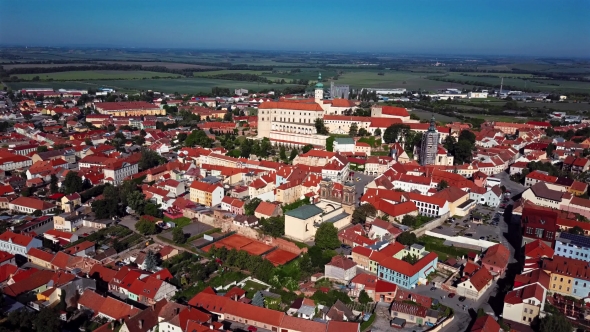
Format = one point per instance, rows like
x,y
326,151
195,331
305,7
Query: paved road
x,y
361,184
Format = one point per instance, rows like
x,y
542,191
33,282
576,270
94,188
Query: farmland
x,y
182,85
518,81
97,75
44,65
170,65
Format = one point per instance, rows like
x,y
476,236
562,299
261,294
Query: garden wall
x,y
431,225
462,239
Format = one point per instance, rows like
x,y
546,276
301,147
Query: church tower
x,y
348,197
319,90
429,146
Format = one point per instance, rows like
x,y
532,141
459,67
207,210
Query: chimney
x,y
176,311
141,323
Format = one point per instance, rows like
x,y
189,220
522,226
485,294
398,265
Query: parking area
x,y
362,182
190,230
129,222
484,227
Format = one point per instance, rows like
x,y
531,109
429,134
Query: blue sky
x,y
498,27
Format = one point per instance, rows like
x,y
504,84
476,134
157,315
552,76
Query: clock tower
x,y
319,90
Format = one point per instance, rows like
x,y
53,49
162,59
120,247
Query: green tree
x,y
394,132
449,143
294,154
463,152
47,320
146,227
307,148
443,184
326,236
182,137
409,220
361,213
251,206
550,149
407,238
152,209
38,213
364,298
353,129
321,127
467,135
42,148
53,184
150,159
330,143
178,235
555,322
151,261
26,192
576,230
283,153
136,201
72,183
377,132
273,226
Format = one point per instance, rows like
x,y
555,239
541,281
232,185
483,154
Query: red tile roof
x,y
18,239
485,324
497,255
40,254
126,105
265,208
34,281
342,262
481,278
106,305
286,105
397,111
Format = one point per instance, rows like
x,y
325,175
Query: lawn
x,y
226,278
252,287
81,75
437,245
180,222
375,143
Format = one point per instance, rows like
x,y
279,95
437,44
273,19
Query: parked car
x,y
432,288
462,298
469,235
482,237
452,295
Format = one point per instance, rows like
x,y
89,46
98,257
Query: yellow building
x,y
129,108
561,284
206,194
40,257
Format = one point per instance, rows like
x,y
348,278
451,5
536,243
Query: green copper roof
x,y
432,127
305,212
319,84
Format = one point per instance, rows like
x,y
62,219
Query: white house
x,y
344,144
115,173
17,243
487,196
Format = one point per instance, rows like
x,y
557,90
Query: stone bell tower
x,y
348,197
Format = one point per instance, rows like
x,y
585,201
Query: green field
x,y
533,83
392,79
97,75
182,85
426,115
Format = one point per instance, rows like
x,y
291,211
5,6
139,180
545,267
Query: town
x,y
288,212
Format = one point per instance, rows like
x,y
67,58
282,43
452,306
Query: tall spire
x,y
432,127
319,85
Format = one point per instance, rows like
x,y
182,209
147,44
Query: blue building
x,y
404,274
573,246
